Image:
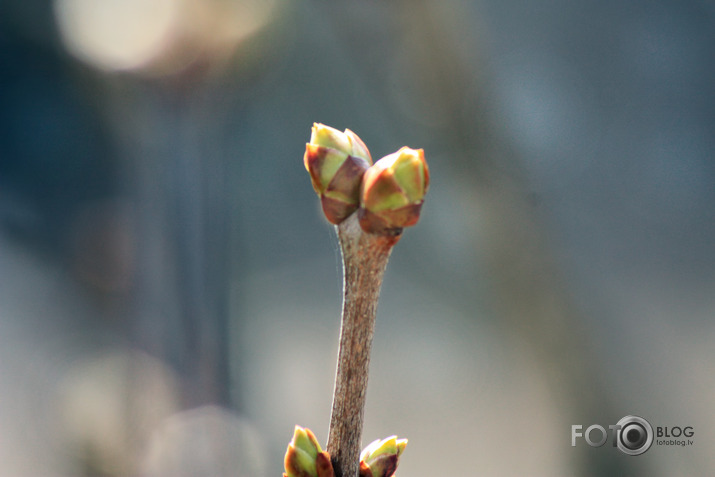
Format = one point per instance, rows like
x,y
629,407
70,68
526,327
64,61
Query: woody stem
x,y
365,257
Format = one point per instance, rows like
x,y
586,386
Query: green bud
x,y
304,457
336,162
380,458
393,190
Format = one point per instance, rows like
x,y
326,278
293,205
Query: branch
x,y
365,257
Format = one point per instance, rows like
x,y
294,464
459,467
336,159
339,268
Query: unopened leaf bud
x,y
380,458
392,192
336,162
304,457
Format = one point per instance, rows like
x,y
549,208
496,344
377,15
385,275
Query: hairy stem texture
x,y
365,257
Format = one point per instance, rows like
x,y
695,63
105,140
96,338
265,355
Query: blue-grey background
x,y
169,292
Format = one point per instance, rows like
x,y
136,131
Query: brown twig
x,y
365,257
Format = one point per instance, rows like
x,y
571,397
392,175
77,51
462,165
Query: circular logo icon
x,y
634,436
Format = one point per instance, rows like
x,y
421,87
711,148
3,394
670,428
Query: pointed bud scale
x,y
323,465
381,457
392,192
364,470
304,457
336,162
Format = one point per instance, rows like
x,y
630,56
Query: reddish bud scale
x,y
385,222
323,465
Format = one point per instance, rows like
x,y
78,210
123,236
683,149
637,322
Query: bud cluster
x,y
388,195
304,458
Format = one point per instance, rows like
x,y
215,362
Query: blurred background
x,y
170,293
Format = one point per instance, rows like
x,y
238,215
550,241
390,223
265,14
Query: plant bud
x,y
304,458
336,162
381,457
392,192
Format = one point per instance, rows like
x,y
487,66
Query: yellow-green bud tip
x,y
305,440
346,142
322,135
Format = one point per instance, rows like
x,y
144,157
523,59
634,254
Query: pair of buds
x,y
387,195
304,457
